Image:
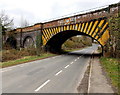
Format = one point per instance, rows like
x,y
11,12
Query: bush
x,y
76,42
17,54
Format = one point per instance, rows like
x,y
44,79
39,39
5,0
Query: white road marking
x,y
6,70
71,63
58,73
42,85
67,66
78,58
75,59
89,79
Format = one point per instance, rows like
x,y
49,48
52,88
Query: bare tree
x,y
6,22
24,22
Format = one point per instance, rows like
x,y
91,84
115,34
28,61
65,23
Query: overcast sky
x,y
36,11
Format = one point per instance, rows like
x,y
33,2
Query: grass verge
x,y
111,66
26,59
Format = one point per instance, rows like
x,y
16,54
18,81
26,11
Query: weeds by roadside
x,y
14,54
111,66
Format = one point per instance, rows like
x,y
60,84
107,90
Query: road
x,y
59,74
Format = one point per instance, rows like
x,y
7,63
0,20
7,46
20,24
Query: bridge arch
x,y
28,42
12,42
97,29
55,42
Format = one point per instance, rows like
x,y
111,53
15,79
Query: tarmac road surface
x,y
59,74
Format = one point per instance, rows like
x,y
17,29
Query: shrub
x,y
17,54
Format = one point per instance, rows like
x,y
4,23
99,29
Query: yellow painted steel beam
x,y
85,27
93,27
89,27
57,29
100,24
44,41
65,28
104,37
76,26
70,27
98,30
82,27
102,29
79,27
44,34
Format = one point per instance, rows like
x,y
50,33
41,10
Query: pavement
x,y
98,82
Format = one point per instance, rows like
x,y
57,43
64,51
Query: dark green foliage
x,y
38,43
77,42
112,48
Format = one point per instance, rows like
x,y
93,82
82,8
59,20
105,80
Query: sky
x,y
36,11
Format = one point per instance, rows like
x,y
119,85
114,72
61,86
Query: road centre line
x,y
67,66
58,73
75,59
42,85
71,63
80,56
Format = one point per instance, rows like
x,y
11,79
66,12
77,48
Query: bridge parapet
x,y
105,12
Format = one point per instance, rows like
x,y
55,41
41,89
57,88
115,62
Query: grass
x,y
111,66
26,59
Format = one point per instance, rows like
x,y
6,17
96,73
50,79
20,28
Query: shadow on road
x,y
84,54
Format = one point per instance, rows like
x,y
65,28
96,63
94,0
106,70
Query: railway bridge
x,y
53,34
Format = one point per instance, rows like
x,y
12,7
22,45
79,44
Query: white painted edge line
x,y
6,70
58,73
67,66
42,85
71,63
89,79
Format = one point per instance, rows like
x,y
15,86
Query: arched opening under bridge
x,y
55,43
